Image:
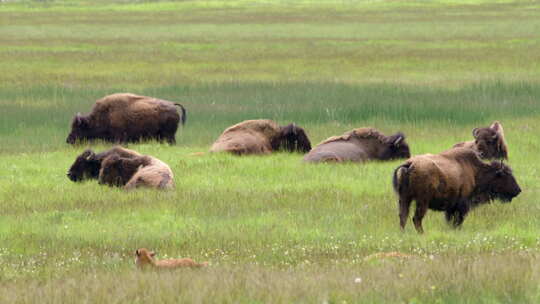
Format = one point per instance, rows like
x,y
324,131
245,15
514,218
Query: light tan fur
x,y
155,175
144,257
248,137
499,146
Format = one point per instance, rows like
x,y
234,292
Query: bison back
x,y
337,151
242,142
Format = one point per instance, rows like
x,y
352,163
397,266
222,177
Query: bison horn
x,y
294,128
475,132
496,126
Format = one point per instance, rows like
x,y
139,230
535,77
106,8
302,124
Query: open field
x,y
275,230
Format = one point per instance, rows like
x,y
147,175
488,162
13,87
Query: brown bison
x,y
88,163
454,181
128,117
134,172
488,142
261,136
144,257
360,145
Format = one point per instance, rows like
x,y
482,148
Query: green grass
x,y
275,230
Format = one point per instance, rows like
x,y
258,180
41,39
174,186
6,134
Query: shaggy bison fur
x,y
131,173
261,136
360,145
488,142
125,117
454,181
88,163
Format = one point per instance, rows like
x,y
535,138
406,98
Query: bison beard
x,y
454,181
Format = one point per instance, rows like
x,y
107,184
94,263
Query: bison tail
x,y
400,179
184,113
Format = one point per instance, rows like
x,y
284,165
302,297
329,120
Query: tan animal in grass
x,y
261,136
489,142
144,257
134,172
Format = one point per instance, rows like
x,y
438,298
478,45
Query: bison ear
x,y
152,254
475,132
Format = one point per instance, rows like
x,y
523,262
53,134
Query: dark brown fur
x,y
360,145
128,117
117,171
489,142
88,163
261,136
454,181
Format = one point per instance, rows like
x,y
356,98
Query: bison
x,y
135,172
360,145
144,257
261,136
454,181
88,163
126,117
488,142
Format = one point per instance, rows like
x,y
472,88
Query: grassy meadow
x,y
275,230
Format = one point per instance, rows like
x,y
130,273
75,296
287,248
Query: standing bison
x,y
454,181
88,163
134,172
360,145
488,142
261,136
128,117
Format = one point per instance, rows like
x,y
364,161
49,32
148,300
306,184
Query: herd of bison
x,y
454,181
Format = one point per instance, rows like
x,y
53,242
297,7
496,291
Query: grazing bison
x,y
128,117
135,172
360,145
261,136
454,181
88,163
488,142
144,257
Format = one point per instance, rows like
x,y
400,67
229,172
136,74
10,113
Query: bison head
x,y
85,166
500,182
117,171
79,129
395,147
292,138
490,141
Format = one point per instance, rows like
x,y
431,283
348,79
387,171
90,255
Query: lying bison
x,y
454,181
488,142
360,145
260,137
134,172
128,117
88,163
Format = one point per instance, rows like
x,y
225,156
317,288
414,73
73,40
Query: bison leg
x,y
421,209
404,206
461,212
